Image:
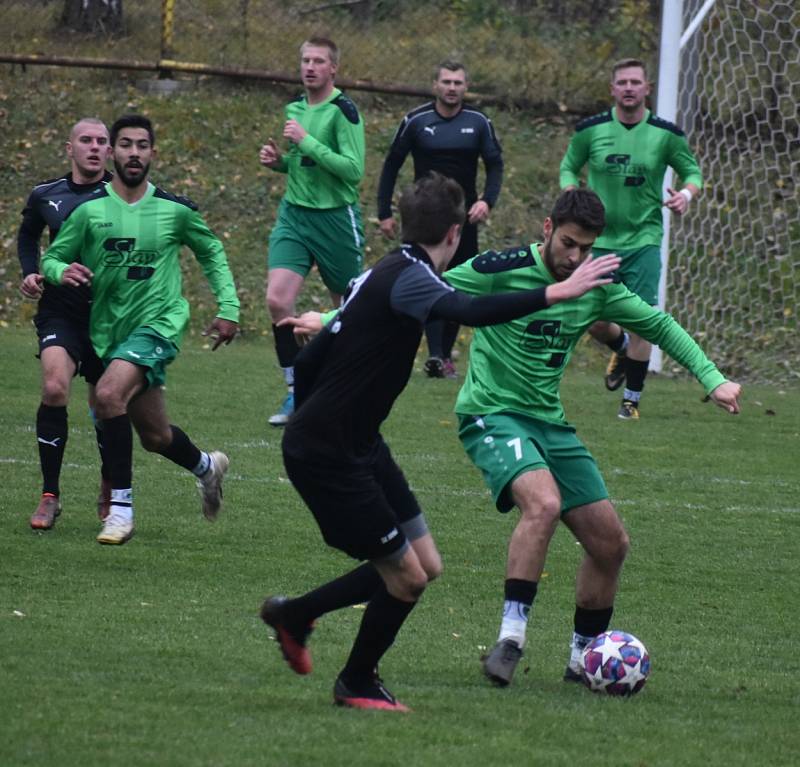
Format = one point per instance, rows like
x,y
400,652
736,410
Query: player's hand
x,y
32,286
221,332
270,155
589,274
478,213
388,228
726,396
294,131
305,326
76,275
677,202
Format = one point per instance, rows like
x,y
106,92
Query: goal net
x,y
734,266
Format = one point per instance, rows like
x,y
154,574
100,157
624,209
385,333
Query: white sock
x,y
203,465
515,621
577,646
122,504
631,396
288,376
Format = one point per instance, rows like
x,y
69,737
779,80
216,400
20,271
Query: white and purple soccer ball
x,y
615,663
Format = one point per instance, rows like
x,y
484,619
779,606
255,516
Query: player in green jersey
x,y
628,150
128,238
319,220
512,423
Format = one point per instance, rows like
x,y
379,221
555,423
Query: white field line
x,y
479,492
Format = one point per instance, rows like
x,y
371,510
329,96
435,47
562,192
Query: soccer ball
x,y
615,663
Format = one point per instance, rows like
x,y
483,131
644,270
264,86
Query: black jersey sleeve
x,y
492,155
29,236
401,146
488,310
416,290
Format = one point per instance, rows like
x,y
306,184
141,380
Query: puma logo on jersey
x,y
430,129
55,204
52,443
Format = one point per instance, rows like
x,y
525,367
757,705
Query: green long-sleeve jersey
x,y
326,167
626,170
518,366
134,254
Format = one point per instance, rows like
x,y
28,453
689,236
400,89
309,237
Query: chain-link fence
x,y
734,279
520,52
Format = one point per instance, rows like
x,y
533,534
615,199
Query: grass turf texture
x,y
152,653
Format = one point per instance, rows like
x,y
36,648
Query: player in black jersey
x,y
447,136
62,320
347,380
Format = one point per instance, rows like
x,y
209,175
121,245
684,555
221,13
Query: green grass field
x,y
153,654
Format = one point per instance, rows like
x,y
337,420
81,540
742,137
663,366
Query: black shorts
x,y
467,246
54,330
366,510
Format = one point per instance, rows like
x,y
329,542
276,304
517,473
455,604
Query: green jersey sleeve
x,y
348,162
661,329
210,253
683,161
574,159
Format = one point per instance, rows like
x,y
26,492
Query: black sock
x,y
352,588
617,344
181,450
118,450
635,373
449,335
517,590
590,623
433,334
382,620
98,433
286,347
51,434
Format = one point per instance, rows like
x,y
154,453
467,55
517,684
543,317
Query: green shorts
x,y
146,348
639,271
333,239
504,445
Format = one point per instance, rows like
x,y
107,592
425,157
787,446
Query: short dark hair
x,y
132,121
323,42
579,206
625,64
452,66
429,207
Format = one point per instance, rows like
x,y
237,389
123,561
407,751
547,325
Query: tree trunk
x,y
93,16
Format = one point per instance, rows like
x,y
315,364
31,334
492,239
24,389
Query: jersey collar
x,y
148,193
644,119
418,252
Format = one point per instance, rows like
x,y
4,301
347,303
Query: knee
x,y
55,392
108,403
433,568
544,512
415,586
614,550
622,545
280,302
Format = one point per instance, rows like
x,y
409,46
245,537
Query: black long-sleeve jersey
x,y
448,145
348,378
48,206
